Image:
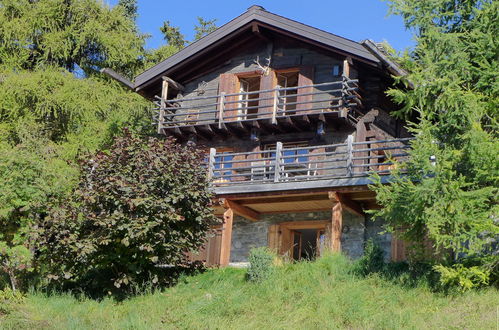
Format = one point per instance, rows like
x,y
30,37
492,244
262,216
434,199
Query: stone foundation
x,y
356,231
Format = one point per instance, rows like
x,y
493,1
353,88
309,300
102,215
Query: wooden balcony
x,y
316,166
273,110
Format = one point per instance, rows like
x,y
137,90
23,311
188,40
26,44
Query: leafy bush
x,y
136,212
372,261
9,298
261,264
461,278
14,261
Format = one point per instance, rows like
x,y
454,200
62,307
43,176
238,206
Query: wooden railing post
x,y
162,105
211,163
221,105
278,157
350,155
274,107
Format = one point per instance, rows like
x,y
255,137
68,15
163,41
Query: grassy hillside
x,y
316,295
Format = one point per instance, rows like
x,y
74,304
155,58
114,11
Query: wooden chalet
x,y
294,120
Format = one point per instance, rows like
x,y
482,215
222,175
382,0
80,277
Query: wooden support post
x,y
274,107
346,67
221,105
164,97
350,155
211,162
336,227
277,166
173,83
226,237
345,77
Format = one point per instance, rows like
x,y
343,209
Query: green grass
x,y
316,295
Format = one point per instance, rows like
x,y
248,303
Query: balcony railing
x,y
318,162
264,105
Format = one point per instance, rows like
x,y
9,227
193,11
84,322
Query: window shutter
x,y
228,84
305,78
267,82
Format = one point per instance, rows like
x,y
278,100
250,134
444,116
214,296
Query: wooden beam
x,y
173,83
226,237
241,210
119,78
347,203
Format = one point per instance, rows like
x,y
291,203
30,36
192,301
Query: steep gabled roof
x,y
260,15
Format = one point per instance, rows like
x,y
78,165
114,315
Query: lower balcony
x,y
318,166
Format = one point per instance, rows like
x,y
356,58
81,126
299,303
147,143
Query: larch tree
x,y
448,189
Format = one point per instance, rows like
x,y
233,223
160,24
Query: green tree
x,y
142,205
172,35
130,7
80,35
204,27
55,106
454,70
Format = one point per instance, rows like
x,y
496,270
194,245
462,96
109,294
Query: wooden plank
x,y
241,210
273,238
305,78
267,82
226,240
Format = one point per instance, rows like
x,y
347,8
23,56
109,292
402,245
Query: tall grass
x,y
307,295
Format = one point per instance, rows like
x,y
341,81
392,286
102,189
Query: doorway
x,y
300,240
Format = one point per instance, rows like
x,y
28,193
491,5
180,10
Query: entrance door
x,y
299,240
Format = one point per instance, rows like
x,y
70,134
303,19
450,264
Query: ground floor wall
x,y
356,231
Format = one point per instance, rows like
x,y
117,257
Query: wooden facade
x,y
292,120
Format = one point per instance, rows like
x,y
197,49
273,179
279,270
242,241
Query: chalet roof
x,y
258,14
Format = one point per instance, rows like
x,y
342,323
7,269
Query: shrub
x,y
261,264
461,278
372,261
9,298
136,212
14,261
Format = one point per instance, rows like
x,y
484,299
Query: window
x,y
223,162
248,105
300,155
287,97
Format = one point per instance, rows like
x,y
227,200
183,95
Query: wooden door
x,y
209,253
297,245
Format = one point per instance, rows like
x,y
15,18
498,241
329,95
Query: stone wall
x,y
375,230
247,234
356,230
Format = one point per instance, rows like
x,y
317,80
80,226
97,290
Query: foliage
x,y
79,35
10,300
306,295
138,208
172,35
130,7
372,261
14,260
204,27
453,67
261,264
462,278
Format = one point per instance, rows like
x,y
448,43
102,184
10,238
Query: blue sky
x,y
352,19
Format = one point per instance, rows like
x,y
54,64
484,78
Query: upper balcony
x,y
272,110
